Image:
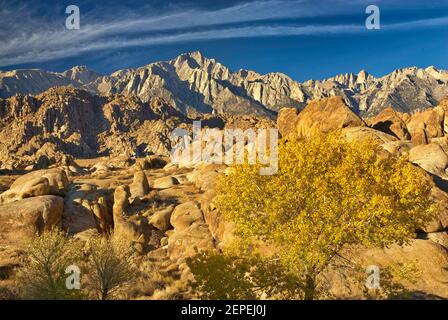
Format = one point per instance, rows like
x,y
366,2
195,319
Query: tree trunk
x,y
104,294
310,287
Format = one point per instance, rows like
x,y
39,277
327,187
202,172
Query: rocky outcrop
x,y
37,183
185,215
205,176
321,116
427,125
431,157
189,242
139,186
390,122
364,133
41,131
427,257
132,228
56,177
287,120
51,129
440,223
22,220
86,207
32,188
164,182
398,148
162,219
191,234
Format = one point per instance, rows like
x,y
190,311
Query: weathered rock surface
x,y
161,219
431,157
390,122
31,188
40,131
429,258
22,220
440,223
190,241
164,182
86,208
365,133
139,186
185,214
321,116
440,238
427,125
398,148
132,228
191,234
286,120
57,180
37,183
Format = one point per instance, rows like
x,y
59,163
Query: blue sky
x,y
306,39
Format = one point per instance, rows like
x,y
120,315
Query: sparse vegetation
x,y
110,266
43,275
106,267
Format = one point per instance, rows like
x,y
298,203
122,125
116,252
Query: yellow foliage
x,y
327,193
241,277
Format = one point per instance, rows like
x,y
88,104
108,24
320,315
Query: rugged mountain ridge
x,y
36,81
195,84
70,121
42,129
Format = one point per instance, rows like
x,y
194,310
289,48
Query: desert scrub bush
x,y
110,266
43,272
327,194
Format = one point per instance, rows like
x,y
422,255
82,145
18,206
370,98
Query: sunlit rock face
x,y
193,83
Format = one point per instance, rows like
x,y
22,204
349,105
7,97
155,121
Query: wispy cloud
x,y
60,51
38,39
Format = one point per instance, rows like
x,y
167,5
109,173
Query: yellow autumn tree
x,y
328,193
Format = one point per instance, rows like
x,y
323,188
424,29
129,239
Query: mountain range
x,y
195,84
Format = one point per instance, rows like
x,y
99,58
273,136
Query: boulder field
x,y
167,211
